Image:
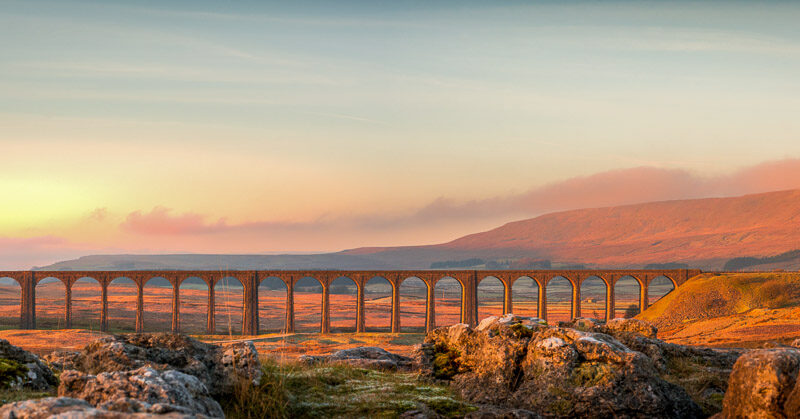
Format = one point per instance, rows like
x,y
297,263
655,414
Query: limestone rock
x,y
66,407
518,363
218,367
24,369
492,412
143,390
363,357
764,384
635,326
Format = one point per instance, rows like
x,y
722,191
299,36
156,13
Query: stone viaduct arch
x,y
250,280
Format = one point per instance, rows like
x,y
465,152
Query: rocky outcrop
x,y
363,357
522,363
67,407
20,368
764,384
217,367
143,390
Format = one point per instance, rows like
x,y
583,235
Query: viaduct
x,y
250,280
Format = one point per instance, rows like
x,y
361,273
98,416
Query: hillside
x,y
700,232
744,309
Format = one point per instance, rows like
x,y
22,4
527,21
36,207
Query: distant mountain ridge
x,y
702,233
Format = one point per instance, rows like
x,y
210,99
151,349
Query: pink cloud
x,y
161,221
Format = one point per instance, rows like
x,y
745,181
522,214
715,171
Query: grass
x,y
300,391
16,395
704,384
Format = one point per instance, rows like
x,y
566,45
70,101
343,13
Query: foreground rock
x,y
519,362
363,357
764,384
22,369
218,367
66,407
143,390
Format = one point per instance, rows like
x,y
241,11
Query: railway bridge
x,y
251,279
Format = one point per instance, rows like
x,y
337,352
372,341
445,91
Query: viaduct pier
x,y
251,279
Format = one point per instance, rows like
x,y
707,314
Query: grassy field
x,y
742,309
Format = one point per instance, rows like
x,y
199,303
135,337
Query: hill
x,y
699,233
742,309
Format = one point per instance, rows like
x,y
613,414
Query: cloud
x,y
98,214
161,221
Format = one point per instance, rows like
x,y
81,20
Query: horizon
x,y
260,128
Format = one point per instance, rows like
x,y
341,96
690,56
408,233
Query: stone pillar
x,y
248,306
176,307
140,308
254,314
326,309
360,327
68,306
32,302
643,297
610,300
210,324
395,307
289,324
430,313
542,306
27,288
469,301
576,300
104,308
507,299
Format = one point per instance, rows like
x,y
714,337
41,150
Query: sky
x,y
265,127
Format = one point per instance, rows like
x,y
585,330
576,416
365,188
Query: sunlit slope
x,y
742,309
701,232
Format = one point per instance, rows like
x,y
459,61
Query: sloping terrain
x,y
746,309
701,232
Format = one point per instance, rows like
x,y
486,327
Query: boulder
x,y
764,384
633,326
66,407
514,362
143,390
218,367
20,368
363,357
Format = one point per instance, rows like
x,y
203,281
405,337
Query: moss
x,y
11,372
590,374
15,395
448,407
445,362
520,331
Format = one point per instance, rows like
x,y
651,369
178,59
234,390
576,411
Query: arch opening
x,y
343,299
157,314
413,293
593,298
122,294
448,297
559,299
378,305
491,293
87,303
308,305
50,303
659,287
228,306
626,297
10,303
193,315
272,293
525,297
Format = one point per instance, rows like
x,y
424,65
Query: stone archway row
x,y
250,280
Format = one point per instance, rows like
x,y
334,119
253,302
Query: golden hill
x,y
746,309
